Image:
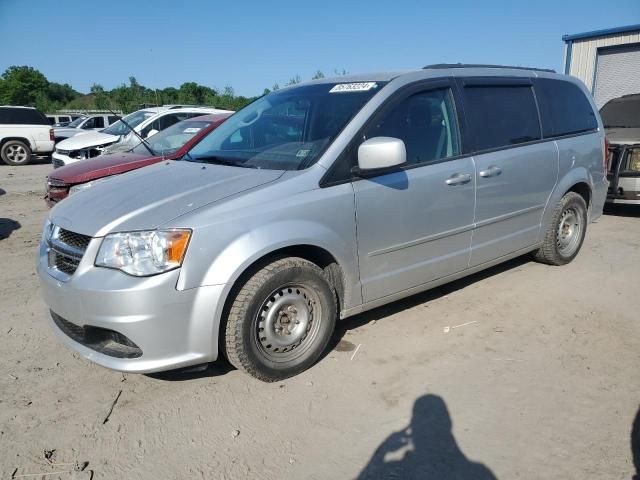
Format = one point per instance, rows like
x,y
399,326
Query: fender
x,y
26,139
574,176
257,243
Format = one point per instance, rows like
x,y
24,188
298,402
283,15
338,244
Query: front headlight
x,y
85,186
144,253
78,154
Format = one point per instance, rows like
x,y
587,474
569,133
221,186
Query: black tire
x,y
281,320
556,249
15,153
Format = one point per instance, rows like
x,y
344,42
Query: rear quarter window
x,y
564,108
501,115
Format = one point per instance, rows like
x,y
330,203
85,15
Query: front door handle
x,y
492,171
458,179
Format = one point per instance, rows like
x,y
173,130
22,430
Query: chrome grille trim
x,y
65,251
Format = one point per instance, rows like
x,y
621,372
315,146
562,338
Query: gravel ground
x,y
540,379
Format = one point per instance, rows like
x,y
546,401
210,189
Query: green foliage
x,y
294,80
23,85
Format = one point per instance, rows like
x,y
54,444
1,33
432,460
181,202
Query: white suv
x,y
24,131
118,136
82,124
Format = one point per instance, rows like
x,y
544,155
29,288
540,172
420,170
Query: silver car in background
x,y
317,202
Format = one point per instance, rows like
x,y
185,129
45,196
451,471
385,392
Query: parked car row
x,y
315,202
169,144
61,120
82,124
125,133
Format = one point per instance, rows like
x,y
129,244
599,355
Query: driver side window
x,y
425,122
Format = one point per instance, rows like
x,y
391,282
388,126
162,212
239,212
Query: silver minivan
x,y
317,202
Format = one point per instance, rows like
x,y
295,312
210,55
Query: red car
x,y
169,144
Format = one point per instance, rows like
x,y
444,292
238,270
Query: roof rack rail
x,y
436,66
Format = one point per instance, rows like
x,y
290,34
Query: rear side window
x,y
22,116
501,116
564,108
112,119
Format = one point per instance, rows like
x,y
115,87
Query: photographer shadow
x,y
425,450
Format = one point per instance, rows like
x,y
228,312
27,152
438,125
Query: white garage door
x,y
618,73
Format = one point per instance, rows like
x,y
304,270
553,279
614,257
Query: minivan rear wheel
x,y
565,235
281,320
15,152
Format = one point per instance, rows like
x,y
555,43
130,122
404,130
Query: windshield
x,y
173,138
76,122
133,119
285,130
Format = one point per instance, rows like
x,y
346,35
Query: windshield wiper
x,y
221,161
144,142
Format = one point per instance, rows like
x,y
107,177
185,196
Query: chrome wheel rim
x,y
16,153
569,232
288,322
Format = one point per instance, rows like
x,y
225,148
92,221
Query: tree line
x,y
26,86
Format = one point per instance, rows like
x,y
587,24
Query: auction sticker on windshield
x,y
353,87
191,130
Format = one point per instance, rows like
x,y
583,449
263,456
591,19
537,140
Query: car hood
x,y
622,112
68,131
620,136
149,197
102,166
86,140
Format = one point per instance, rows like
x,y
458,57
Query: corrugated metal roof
x,y
601,33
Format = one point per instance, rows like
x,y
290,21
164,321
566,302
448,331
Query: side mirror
x,y
151,133
380,153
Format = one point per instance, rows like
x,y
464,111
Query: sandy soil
x,y
544,384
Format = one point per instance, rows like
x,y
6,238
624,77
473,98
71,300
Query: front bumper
x,y
60,160
172,328
627,191
56,193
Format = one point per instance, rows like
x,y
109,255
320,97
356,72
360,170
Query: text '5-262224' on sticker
x,y
353,87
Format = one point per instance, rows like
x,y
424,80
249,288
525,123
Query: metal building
x,y
607,61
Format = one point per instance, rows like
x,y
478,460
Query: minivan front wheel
x,y
281,320
15,152
565,235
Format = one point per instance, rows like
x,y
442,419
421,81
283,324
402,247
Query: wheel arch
x,y
583,189
26,140
576,180
320,256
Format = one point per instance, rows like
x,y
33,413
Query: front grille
x,y
57,163
66,250
76,240
105,341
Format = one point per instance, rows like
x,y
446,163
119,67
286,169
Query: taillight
x,y
51,137
605,154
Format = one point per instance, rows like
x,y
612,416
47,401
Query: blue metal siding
x,y
601,33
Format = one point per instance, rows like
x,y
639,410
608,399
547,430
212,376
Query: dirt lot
x,y
544,384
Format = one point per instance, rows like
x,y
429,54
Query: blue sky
x,y
252,44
